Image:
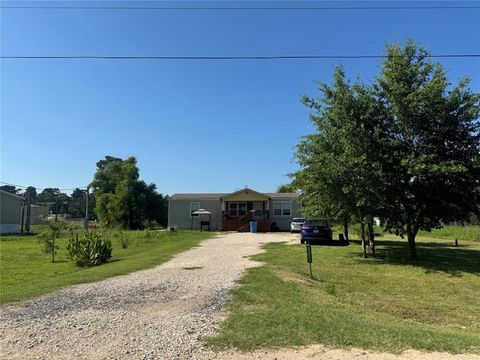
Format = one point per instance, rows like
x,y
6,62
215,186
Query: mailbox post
x,y
309,258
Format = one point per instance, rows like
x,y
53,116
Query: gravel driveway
x,y
160,313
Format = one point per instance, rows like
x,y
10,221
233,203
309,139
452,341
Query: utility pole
x,y
23,218
27,222
86,209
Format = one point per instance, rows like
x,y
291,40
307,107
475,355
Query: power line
x,y
36,188
255,57
232,8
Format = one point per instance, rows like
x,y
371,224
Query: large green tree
x,y
121,198
286,188
339,176
32,192
430,161
77,205
10,189
406,149
57,200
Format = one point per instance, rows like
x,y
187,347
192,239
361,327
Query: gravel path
x,y
159,313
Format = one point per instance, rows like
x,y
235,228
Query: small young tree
x,y
47,237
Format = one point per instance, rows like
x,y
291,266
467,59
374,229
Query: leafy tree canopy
x,y
286,188
10,189
123,199
405,149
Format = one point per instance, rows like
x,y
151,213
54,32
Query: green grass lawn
x,y
388,303
27,272
468,233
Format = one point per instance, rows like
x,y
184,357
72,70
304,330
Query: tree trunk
x,y
371,236
411,234
345,227
362,234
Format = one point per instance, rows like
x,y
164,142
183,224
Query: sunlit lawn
x,y
388,303
27,272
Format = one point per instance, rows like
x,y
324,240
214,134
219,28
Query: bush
x,y
92,249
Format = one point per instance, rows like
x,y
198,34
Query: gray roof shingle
x,y
218,196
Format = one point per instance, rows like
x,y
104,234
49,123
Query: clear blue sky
x,y
194,126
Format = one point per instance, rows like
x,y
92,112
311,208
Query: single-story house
x,y
10,212
234,211
37,213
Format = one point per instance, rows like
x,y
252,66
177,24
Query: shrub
x,y
92,249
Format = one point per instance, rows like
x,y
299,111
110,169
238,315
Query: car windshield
x,y
298,220
316,222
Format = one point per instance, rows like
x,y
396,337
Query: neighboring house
x,y
37,214
10,212
234,211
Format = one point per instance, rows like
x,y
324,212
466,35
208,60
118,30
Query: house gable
x,y
246,195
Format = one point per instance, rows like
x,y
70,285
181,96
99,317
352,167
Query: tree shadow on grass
x,y
327,242
432,256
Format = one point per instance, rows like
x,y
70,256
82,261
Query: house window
x,y
237,208
194,206
282,208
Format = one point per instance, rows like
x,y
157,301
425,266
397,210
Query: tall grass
x,y
467,233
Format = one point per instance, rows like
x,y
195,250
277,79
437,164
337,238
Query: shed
x,y
10,212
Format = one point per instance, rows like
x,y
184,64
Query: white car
x,y
296,224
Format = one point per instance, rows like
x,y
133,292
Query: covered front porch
x,y
241,207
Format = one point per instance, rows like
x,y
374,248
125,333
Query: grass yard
x,y
388,303
27,272
462,233
468,233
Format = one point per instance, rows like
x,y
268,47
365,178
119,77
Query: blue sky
x,y
194,126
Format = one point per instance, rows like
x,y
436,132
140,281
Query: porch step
x,y
262,226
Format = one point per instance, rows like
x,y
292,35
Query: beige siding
x,y
283,222
179,213
10,212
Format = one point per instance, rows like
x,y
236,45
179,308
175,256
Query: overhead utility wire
x,y
256,57
432,7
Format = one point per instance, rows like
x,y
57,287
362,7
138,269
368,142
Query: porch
x,y
241,207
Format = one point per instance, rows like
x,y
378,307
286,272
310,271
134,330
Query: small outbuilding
x,y
10,212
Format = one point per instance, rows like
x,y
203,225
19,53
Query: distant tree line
x,y
117,197
405,149
57,201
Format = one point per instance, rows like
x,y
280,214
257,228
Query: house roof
x,y
12,195
199,196
218,196
289,195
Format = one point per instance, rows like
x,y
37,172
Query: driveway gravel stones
x,y
159,313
